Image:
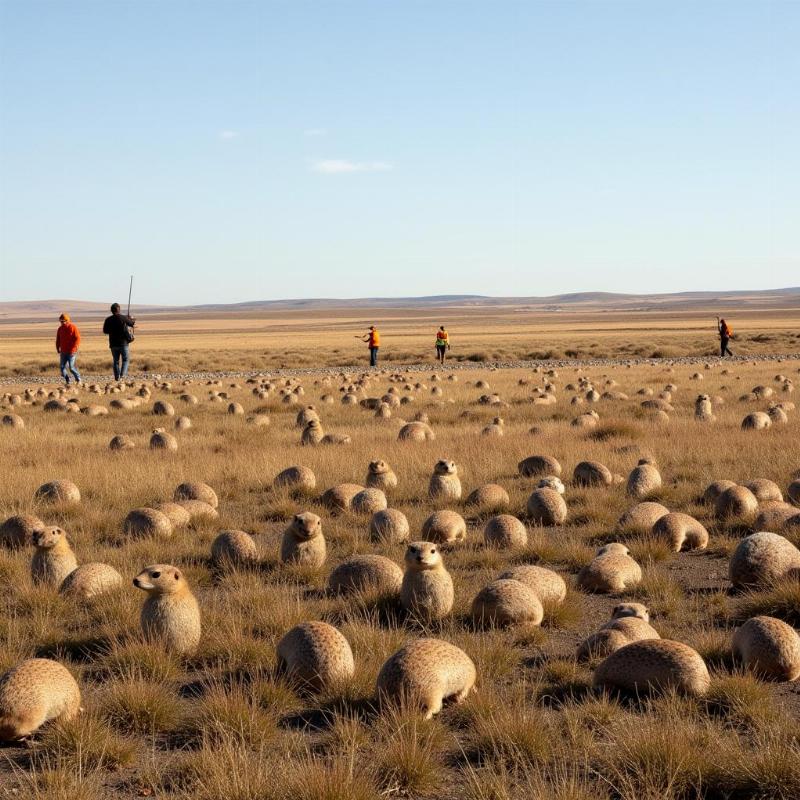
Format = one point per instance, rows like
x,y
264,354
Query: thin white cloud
x,y
340,166
226,136
315,132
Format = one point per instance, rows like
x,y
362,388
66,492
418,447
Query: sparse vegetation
x,y
224,722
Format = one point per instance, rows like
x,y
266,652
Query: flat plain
x,y
222,723
188,340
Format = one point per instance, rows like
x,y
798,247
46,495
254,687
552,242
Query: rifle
x,y
128,329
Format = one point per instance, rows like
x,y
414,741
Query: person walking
x,y
373,340
118,329
68,339
442,343
725,335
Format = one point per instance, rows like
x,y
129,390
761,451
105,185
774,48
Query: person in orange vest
x,y
373,340
725,335
68,339
442,343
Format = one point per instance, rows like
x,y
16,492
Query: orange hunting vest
x,y
374,338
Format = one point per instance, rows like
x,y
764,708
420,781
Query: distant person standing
x,y
442,343
68,340
725,335
373,340
118,329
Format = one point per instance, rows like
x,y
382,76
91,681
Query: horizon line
x,y
395,298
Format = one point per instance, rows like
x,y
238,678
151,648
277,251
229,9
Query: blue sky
x,y
226,151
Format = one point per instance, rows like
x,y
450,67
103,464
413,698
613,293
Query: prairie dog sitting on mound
x,y
312,433
380,476
703,409
427,588
53,559
170,613
303,542
445,483
426,672
34,692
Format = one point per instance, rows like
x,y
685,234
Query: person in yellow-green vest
x,y
442,344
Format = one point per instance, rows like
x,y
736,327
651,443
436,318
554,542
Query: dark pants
x,y
373,356
120,356
440,350
723,347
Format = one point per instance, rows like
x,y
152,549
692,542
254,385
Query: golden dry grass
x,y
183,342
220,723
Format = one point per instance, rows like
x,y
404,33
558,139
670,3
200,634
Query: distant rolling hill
x,y
19,311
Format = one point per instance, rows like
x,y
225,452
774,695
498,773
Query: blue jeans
x,y
68,365
120,355
373,356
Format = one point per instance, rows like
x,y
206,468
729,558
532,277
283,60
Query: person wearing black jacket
x,y
117,327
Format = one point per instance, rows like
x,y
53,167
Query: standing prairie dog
x,y
303,542
427,588
312,433
703,409
170,614
34,692
53,559
380,476
445,483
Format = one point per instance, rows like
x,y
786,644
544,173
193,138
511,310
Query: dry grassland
x,y
243,341
221,723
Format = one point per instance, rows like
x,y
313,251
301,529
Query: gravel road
x,y
393,368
